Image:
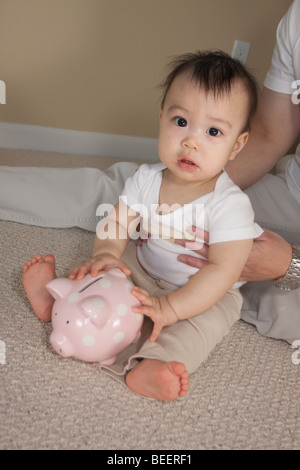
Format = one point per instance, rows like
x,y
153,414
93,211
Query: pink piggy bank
x,y
92,318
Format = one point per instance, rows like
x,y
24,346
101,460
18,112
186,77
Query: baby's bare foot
x,y
164,381
37,272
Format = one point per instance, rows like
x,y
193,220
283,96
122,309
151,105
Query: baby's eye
x,y
180,122
213,132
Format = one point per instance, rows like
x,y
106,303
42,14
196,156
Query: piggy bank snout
x,y
96,308
61,344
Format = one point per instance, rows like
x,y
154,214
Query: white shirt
x,y
226,213
284,77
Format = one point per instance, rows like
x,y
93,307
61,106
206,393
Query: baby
x,y
208,102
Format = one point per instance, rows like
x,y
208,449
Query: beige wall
x,y
94,65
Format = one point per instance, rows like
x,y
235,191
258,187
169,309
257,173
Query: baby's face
x,y
199,132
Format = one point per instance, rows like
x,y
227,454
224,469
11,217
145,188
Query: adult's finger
x,y
192,261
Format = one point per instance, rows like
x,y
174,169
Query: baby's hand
x,y
157,308
96,264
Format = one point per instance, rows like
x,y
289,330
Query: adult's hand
x,y
198,247
270,258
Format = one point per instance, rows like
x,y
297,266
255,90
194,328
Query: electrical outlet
x,y
240,51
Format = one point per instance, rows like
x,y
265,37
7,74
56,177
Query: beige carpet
x,y
246,395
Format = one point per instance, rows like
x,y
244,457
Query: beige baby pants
x,y
187,341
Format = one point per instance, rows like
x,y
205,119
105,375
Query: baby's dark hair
x,y
216,72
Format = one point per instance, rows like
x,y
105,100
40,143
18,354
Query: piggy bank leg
x,y
108,362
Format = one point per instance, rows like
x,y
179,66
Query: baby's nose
x,y
191,143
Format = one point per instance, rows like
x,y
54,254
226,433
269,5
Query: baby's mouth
x,y
186,163
184,160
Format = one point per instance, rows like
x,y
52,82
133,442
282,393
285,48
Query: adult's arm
x,y
275,128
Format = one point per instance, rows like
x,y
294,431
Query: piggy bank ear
x,y
95,308
117,272
59,287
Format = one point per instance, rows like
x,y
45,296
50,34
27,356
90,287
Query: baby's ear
x,y
239,144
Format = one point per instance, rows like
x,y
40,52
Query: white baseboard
x,y
23,136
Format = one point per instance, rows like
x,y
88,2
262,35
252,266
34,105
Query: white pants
x,y
51,197
59,197
274,313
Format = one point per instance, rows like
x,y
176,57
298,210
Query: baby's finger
x,y
83,270
155,332
140,290
142,295
73,273
145,310
124,268
96,268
